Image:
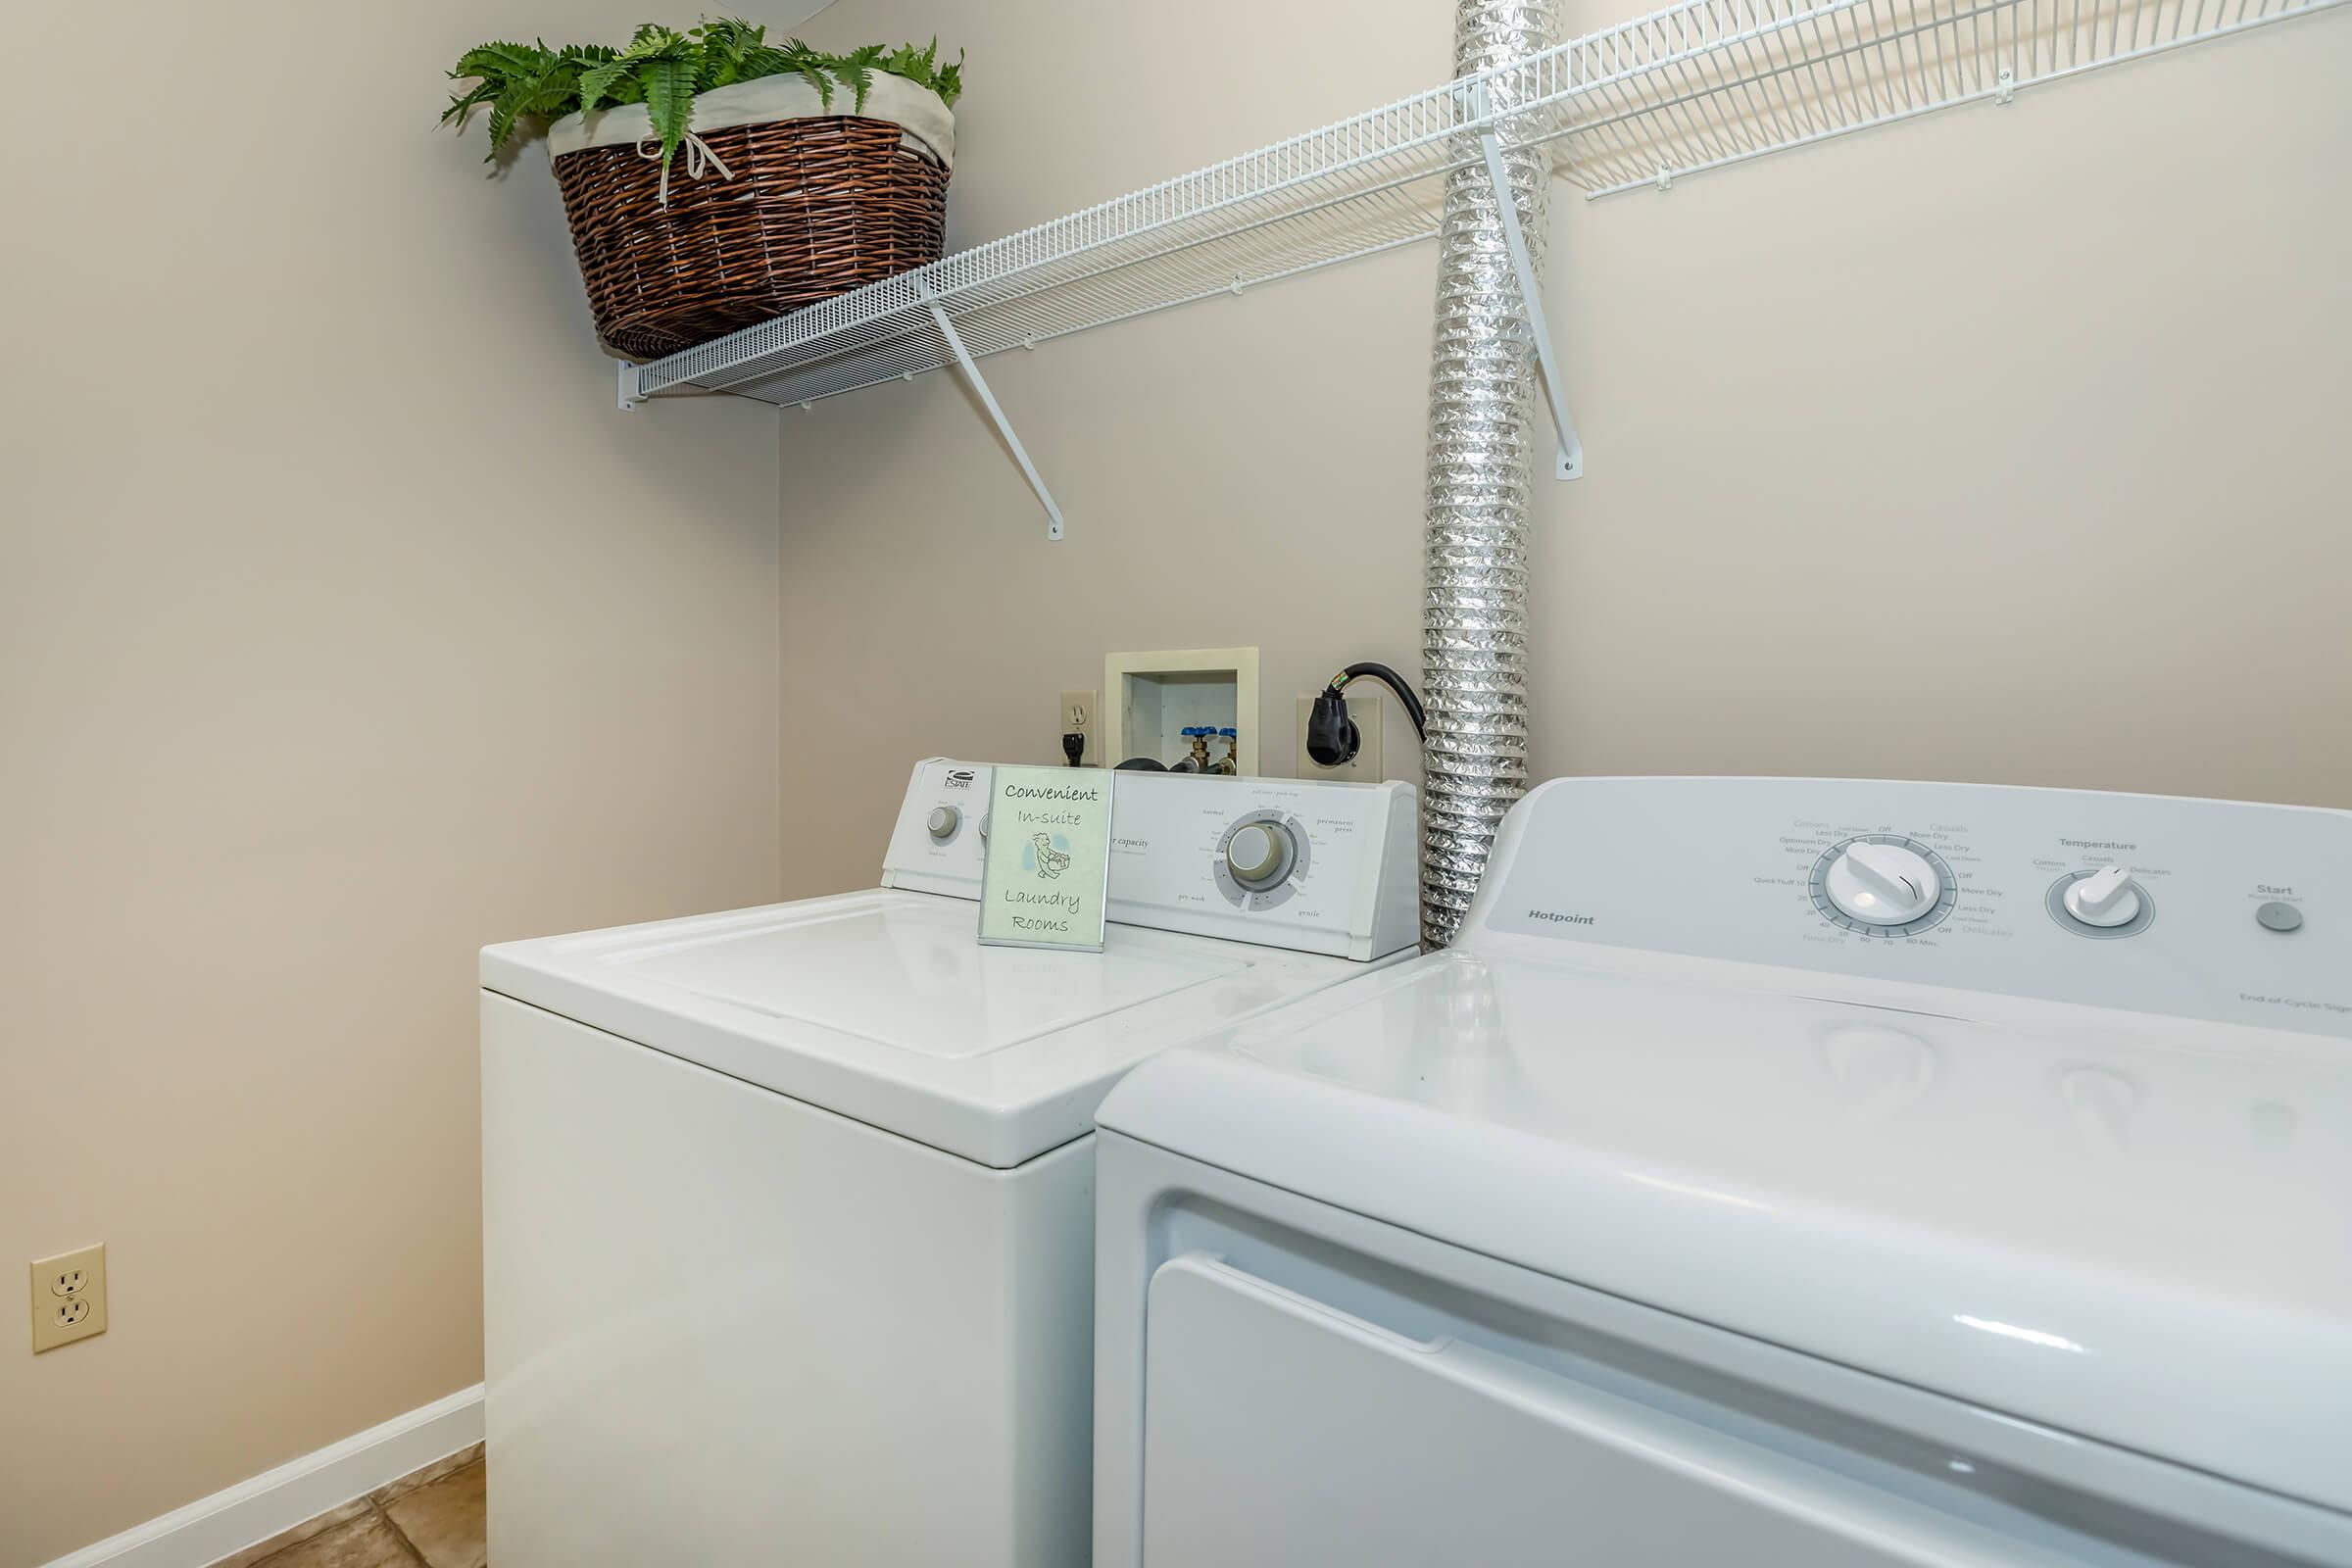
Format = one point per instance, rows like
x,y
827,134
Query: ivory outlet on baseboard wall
x,y
68,1298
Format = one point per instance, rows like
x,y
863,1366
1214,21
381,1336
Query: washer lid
x,y
2125,1227
884,1006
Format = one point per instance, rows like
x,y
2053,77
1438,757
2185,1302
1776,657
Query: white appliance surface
x,y
2088,1178
722,1326
787,1211
883,1007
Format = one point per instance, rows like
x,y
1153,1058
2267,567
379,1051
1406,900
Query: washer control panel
x,y
2214,910
1312,864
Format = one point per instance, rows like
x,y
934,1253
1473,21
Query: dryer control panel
x,y
1311,864
2214,910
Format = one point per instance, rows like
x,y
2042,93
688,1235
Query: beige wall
x,y
344,626
2003,445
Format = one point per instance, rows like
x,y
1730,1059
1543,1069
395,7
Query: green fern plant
x,y
664,69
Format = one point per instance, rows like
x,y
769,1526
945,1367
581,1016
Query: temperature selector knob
x,y
1261,854
2104,898
1882,884
943,820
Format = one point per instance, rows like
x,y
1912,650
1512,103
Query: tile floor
x,y
432,1517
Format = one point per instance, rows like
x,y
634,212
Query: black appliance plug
x,y
1332,738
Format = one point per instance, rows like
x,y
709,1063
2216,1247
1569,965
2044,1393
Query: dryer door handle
x,y
1280,1428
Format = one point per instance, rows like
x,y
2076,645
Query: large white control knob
x,y
1882,884
943,822
1259,854
2108,897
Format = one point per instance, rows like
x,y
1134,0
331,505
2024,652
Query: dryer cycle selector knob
x,y
1882,884
1260,855
943,820
2104,898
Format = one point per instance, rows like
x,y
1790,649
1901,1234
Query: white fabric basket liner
x,y
917,109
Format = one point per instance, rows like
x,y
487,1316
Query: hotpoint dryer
x,y
788,1213
1777,1173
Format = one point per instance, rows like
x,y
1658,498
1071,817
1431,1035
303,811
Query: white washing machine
x,y
788,1213
1777,1173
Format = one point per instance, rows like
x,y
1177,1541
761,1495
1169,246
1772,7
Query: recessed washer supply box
x,y
1151,699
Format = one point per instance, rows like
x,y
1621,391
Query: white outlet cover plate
x,y
1091,726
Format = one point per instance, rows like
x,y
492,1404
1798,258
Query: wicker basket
x,y
816,207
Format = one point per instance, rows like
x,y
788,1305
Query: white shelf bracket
x,y
1571,462
629,385
988,400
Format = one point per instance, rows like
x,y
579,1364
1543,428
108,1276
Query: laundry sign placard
x,y
1047,873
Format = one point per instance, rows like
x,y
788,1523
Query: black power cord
x,y
1332,740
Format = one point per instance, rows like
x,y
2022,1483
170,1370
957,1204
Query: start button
x,y
2277,916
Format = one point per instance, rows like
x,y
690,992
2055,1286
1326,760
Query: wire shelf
x,y
1693,87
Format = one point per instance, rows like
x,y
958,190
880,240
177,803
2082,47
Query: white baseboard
x,y
211,1528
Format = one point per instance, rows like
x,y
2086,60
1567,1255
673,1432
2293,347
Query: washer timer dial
x,y
1259,854
1883,885
1260,860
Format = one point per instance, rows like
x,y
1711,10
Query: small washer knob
x,y
2104,898
943,820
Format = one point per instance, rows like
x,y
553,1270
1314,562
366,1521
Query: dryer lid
x,y
2127,1227
884,1006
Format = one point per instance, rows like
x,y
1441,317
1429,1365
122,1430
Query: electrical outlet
x,y
1078,717
1364,766
68,1298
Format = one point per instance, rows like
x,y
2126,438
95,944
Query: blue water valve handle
x,y
1230,733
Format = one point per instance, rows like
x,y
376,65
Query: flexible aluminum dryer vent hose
x,y
1482,440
